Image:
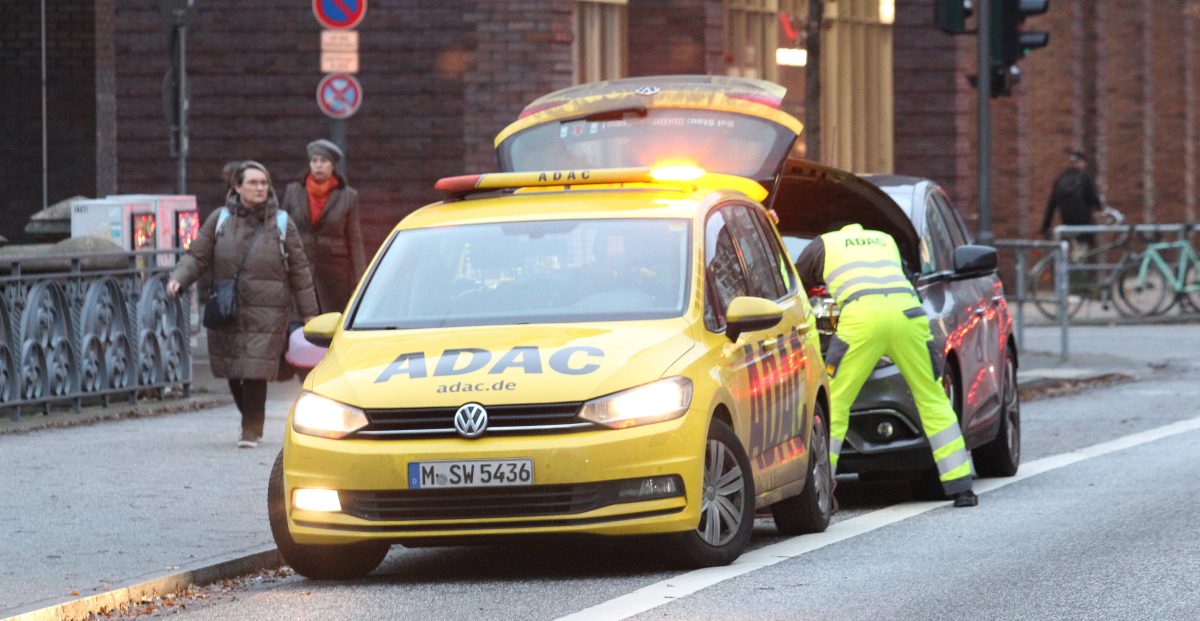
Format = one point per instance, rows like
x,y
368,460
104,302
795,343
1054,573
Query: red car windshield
x,y
716,141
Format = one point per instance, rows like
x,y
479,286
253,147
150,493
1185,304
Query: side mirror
x,y
319,330
747,314
971,261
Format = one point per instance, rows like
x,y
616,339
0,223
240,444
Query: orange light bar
x,y
503,181
676,173
689,177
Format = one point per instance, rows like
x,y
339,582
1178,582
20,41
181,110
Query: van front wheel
x,y
317,562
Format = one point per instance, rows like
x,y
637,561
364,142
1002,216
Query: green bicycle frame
x,y
1174,275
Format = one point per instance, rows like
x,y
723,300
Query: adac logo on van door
x,y
574,360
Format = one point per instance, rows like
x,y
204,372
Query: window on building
x,y
601,48
856,79
751,37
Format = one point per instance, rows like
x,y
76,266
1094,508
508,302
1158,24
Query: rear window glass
x,y
713,140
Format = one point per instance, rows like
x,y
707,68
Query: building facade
x,y
440,78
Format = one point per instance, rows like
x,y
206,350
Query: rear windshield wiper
x,y
615,114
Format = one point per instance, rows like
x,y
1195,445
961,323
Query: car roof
x,y
901,188
722,93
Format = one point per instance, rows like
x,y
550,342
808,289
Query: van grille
x,y
538,418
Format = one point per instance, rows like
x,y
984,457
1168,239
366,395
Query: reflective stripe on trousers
x,y
876,325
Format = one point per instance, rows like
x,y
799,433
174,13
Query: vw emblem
x,y
470,420
648,90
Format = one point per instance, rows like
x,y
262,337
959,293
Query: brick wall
x,y
673,37
1111,83
439,80
71,127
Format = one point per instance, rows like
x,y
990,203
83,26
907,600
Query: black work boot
x,y
966,499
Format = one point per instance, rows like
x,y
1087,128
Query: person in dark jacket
x,y
1074,196
325,209
272,278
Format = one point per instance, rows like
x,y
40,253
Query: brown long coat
x,y
334,243
251,345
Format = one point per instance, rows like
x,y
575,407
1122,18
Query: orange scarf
x,y
318,195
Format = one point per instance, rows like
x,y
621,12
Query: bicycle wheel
x,y
1191,289
1041,290
1144,297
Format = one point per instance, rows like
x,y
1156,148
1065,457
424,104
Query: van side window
x,y
725,277
761,267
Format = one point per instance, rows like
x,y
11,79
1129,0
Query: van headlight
x,y
315,415
650,403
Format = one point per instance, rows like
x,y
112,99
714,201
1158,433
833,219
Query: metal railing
x,y
1097,264
1060,251
90,327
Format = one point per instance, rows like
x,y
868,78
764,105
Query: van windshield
x,y
529,272
716,141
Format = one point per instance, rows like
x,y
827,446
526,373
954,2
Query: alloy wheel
x,y
724,496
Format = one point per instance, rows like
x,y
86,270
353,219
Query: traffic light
x,y
1012,44
950,16
1008,44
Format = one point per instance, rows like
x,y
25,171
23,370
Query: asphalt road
x,y
1101,524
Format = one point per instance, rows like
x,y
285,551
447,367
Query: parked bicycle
x,y
1155,284
1091,276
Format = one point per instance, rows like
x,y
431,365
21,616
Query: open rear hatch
x,y
812,199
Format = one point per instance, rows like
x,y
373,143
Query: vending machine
x,y
139,221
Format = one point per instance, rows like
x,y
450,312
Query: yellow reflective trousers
x,y
895,325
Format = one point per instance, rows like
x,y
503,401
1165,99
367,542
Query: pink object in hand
x,y
302,354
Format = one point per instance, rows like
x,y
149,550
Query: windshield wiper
x,y
615,114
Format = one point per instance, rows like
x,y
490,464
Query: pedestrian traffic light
x,y
950,16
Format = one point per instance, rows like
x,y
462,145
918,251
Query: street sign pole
x,y
337,133
339,94
983,38
175,14
183,105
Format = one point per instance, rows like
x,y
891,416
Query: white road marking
x,y
660,593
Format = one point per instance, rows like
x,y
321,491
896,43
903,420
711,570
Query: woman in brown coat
x,y
325,210
275,276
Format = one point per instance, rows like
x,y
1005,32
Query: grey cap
x,y
326,148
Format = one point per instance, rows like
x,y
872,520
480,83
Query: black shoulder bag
x,y
221,307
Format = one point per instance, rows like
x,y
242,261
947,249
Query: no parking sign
x,y
339,95
339,14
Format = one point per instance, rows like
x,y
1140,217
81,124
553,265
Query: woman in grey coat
x,y
274,276
325,209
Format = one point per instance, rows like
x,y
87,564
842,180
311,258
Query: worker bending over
x,y
880,314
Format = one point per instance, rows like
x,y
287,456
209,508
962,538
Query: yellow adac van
x,y
594,352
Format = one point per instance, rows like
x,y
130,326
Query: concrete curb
x,y
1038,386
207,572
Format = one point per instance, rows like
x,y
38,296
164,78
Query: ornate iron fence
x,y
89,328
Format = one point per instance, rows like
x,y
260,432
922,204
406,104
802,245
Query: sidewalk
x,y
89,509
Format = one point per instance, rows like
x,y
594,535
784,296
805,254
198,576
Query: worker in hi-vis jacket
x,y
880,314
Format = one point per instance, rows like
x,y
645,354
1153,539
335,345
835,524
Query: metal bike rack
x,y
1061,252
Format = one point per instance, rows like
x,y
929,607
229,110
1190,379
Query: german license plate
x,y
470,473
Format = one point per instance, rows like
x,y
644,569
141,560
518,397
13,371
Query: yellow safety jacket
x,y
859,262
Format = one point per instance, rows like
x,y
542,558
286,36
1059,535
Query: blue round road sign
x,y
339,14
339,95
